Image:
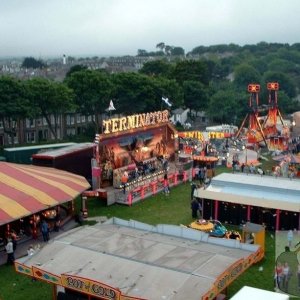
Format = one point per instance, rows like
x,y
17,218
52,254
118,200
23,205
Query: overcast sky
x,y
42,28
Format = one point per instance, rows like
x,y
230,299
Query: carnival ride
x,y
214,228
263,128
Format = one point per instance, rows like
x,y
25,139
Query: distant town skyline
x,y
41,28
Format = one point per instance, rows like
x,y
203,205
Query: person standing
x,y
166,185
14,238
193,188
195,208
286,274
242,167
10,252
201,174
124,181
278,275
45,231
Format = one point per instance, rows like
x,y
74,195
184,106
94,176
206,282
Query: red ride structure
x,y
255,133
264,128
270,123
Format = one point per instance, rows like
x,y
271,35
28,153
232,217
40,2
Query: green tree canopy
x,y
227,105
31,62
49,98
195,95
191,70
177,51
156,68
245,74
93,91
286,84
75,68
14,105
144,92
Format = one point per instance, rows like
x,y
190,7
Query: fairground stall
x,y
133,155
202,150
29,194
261,199
122,259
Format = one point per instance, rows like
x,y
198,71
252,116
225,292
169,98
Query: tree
x,y
177,51
259,64
191,70
14,105
142,52
245,74
30,62
168,49
227,106
281,65
75,68
156,68
286,84
144,92
50,99
170,89
133,92
161,46
93,91
195,95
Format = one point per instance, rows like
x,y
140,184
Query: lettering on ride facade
x,y
135,121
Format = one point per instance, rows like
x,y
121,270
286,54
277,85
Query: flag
x,y
166,100
111,106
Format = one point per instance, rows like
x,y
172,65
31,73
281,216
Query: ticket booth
x,y
254,234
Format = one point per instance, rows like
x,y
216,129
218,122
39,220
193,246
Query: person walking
x,y
45,231
10,252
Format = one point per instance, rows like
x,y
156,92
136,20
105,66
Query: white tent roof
x,y
250,293
152,262
263,191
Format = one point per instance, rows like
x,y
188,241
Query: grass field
x,y
172,209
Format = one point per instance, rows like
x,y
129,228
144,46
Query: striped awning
x,y
27,189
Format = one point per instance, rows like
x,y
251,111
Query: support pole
x,y
277,219
216,209
248,213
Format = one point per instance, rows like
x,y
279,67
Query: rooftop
x,y
180,263
250,189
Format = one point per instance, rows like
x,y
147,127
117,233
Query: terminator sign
x,y
135,121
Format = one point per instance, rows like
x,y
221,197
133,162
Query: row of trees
x,y
202,85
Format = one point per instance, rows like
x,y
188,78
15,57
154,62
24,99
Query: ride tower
x,y
270,123
277,139
255,133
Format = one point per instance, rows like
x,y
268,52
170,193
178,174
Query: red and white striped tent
x,y
27,189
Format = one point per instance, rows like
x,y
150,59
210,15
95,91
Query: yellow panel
x,y
27,189
57,174
65,188
12,208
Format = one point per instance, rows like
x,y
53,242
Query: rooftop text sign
x,y
135,121
90,287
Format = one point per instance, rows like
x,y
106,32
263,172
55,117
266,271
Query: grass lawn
x,y
172,209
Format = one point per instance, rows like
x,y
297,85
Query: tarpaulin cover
x,y
27,189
